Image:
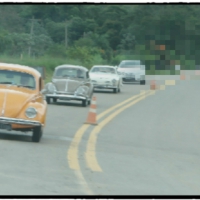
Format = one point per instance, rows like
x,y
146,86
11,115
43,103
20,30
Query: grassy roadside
x,y
156,72
51,62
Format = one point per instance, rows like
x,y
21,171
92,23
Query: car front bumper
x,y
133,78
104,86
66,96
7,120
130,79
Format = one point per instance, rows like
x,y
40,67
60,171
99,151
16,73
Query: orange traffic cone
x,y
153,85
92,113
197,72
182,77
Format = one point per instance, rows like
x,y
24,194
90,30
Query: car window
x,y
130,64
21,79
107,70
69,73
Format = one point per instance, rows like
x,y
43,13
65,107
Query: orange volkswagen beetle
x,y
22,105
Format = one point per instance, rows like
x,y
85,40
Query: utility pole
x,y
31,33
66,42
67,22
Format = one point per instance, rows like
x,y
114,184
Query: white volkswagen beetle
x,y
105,77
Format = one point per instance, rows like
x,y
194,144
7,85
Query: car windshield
x,y
69,73
21,79
107,70
130,64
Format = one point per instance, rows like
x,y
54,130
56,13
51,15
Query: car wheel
x,y
119,90
89,101
54,100
142,82
37,134
48,100
115,90
84,103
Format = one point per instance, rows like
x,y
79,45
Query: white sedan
x,y
105,77
132,71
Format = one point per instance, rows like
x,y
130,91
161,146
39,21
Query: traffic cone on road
x,y
197,72
153,85
91,119
182,75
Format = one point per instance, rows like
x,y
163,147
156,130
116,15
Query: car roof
x,y
71,66
22,68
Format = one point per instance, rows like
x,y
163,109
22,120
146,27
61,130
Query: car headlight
x,y
80,91
31,112
114,81
51,88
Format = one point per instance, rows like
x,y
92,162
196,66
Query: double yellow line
x,y
90,154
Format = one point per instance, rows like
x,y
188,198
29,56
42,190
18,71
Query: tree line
x,y
161,34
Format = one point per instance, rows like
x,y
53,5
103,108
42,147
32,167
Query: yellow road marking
x,y
162,87
170,82
72,154
90,154
83,183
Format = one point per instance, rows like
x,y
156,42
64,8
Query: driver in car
x,y
80,74
112,71
25,80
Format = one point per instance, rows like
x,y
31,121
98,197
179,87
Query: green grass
x,y
50,63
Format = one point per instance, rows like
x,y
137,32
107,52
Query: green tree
x,y
56,31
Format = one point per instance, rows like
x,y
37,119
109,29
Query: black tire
x,y
142,82
48,100
119,90
54,100
115,90
84,103
37,134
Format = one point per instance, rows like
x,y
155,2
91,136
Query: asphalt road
x,y
147,145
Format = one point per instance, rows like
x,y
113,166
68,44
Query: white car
x,y
132,71
105,77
